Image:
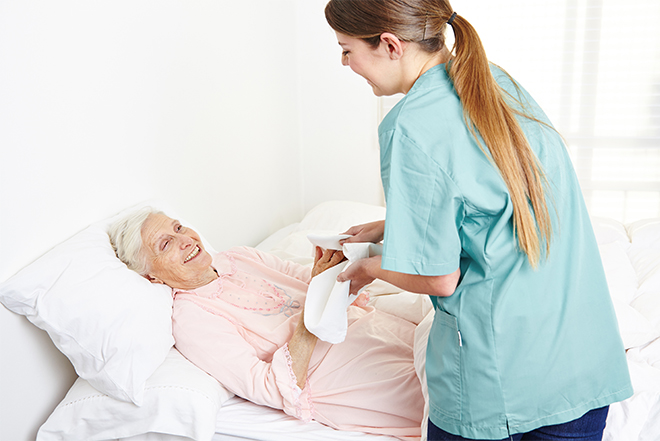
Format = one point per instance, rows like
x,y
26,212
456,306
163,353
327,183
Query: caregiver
x,y
485,214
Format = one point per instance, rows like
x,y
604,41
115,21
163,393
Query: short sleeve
x,y
425,210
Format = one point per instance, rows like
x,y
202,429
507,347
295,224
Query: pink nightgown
x,y
237,328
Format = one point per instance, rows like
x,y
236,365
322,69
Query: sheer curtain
x,y
594,67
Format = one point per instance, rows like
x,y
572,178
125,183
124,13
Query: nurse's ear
x,y
392,45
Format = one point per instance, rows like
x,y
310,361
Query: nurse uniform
x,y
514,348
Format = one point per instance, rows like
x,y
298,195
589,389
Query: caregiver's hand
x,y
325,259
360,273
371,232
365,271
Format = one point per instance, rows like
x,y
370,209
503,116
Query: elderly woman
x,y
238,316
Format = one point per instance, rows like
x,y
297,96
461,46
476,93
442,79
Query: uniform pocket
x,y
443,366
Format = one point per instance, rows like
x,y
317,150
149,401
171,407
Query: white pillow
x,y
113,325
328,218
636,330
620,274
179,399
609,230
339,216
645,233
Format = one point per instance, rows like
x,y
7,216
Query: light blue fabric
x,y
513,348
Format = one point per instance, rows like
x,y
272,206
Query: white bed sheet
x,y
631,257
243,420
635,419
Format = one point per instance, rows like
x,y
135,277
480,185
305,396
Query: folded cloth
x,y
327,299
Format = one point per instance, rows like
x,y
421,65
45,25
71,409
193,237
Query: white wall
x,y
338,118
109,103
237,114
240,116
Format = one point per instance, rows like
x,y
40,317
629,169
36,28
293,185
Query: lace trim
x,y
310,403
294,382
297,391
272,294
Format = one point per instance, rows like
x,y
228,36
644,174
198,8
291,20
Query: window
x,y
594,67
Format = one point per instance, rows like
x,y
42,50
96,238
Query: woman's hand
x,y
325,259
302,342
371,232
360,273
365,271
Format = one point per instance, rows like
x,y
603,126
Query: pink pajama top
x,y
237,328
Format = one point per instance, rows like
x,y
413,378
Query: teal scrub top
x,y
514,348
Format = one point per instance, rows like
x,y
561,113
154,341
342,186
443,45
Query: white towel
x,y
328,300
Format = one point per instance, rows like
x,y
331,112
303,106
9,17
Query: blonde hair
x,y
126,238
485,106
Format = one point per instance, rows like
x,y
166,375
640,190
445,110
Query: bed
x,y
131,384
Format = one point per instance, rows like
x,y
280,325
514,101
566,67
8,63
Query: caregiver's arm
x,y
370,232
302,342
365,271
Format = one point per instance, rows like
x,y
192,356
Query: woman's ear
x,y
392,45
153,279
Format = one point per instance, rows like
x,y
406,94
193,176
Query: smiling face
x,y
391,67
175,254
373,64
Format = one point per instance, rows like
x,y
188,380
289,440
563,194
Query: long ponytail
x,y
488,114
485,106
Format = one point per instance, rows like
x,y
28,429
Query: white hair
x,y
126,238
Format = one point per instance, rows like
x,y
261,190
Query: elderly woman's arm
x,y
301,347
217,343
302,343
